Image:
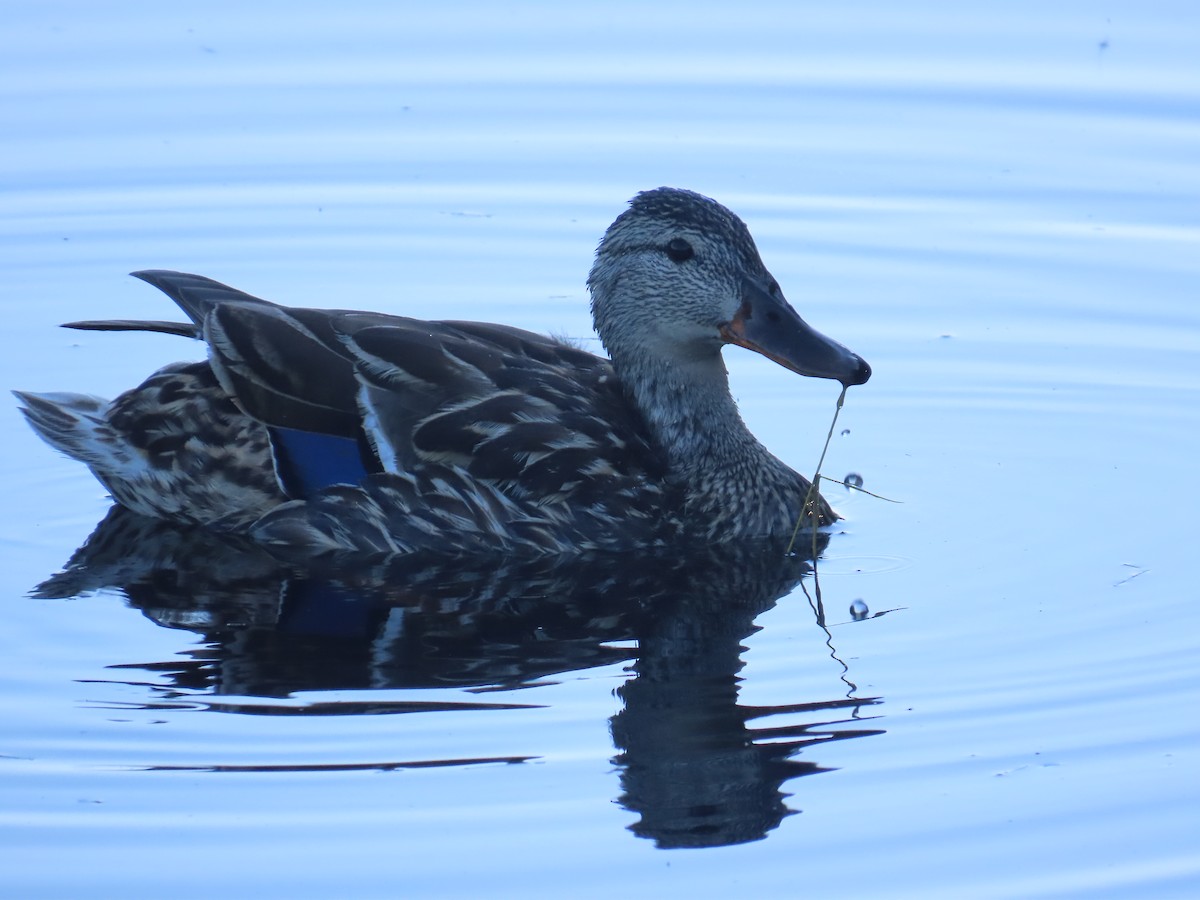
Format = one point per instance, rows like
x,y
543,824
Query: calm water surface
x,y
998,208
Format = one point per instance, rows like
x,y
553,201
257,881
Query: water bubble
x,y
853,480
859,610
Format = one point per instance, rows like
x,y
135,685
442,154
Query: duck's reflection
x,y
699,768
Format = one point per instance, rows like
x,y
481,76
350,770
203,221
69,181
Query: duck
x,y
349,431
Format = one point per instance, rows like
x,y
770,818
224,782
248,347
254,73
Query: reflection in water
x,y
700,769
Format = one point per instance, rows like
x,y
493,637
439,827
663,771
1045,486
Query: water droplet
x,y
845,431
859,610
853,480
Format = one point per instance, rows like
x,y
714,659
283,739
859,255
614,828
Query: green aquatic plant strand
x,y
814,488
855,487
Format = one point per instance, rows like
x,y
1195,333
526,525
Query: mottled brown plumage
x,y
334,430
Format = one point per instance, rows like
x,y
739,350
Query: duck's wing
x,y
537,417
534,416
287,367
346,393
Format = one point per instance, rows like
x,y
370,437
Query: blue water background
x,y
998,205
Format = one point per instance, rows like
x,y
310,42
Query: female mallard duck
x,y
328,430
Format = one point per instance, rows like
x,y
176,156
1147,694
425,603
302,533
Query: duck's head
x,y
677,276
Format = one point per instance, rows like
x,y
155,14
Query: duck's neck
x,y
733,486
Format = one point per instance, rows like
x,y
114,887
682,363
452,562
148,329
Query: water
x,y
996,207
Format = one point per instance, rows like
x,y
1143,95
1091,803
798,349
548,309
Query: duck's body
x,y
341,430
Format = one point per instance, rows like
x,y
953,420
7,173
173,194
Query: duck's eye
x,y
679,250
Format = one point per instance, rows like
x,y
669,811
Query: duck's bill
x,y
767,324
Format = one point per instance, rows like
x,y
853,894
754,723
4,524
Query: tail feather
x,y
183,329
175,447
72,423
